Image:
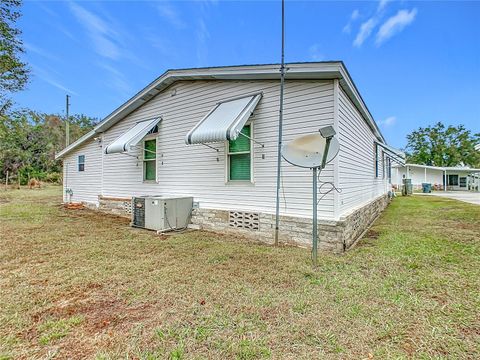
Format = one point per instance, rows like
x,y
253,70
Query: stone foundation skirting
x,y
117,206
334,236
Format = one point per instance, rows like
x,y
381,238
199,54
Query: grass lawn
x,y
76,284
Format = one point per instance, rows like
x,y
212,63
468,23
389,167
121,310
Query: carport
x,y
441,178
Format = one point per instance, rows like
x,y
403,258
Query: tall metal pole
x,y
67,121
314,218
280,126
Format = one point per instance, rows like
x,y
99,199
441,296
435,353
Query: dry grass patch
x,y
76,284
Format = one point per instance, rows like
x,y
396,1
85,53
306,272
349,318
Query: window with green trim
x,y
150,160
239,157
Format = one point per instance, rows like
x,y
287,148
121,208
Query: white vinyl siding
x,y
418,175
87,184
357,159
194,170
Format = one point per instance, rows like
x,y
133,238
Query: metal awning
x,y
394,154
224,121
132,137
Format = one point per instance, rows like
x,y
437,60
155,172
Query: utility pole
x,y
280,127
67,121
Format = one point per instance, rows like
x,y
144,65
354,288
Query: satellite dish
x,y
313,151
307,151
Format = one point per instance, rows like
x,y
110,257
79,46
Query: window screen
x,y
150,160
239,156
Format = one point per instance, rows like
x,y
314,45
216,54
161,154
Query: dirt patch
x,y
372,234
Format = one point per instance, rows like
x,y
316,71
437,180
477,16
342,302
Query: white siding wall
x,y
86,185
356,159
417,175
194,170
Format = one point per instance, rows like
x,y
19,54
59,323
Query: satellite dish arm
x,y
325,152
328,132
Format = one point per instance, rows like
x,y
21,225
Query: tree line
x,y
29,141
444,146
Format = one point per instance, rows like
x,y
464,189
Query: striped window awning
x,y
224,121
132,137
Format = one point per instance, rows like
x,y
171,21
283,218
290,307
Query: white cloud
x,y
36,50
46,77
315,53
171,15
382,4
395,24
389,121
105,39
117,80
354,16
365,30
202,37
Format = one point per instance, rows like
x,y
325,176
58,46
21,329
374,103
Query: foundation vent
x,y
127,206
244,220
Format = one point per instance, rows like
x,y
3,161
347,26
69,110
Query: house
x,y
211,133
456,178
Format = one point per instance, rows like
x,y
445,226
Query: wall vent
x,y
244,220
127,206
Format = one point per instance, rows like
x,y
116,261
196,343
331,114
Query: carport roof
x,y
464,169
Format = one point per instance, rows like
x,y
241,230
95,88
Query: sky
x,y
414,63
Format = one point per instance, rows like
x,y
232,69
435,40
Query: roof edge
x,y
328,69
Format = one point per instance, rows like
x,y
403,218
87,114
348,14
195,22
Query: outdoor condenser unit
x,y
161,213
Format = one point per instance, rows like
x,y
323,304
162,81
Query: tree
x,y
13,71
29,141
438,145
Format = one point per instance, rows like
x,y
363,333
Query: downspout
x,y
445,180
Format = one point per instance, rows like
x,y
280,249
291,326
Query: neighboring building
x,y
456,178
141,148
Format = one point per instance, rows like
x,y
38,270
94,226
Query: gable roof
x,y
295,71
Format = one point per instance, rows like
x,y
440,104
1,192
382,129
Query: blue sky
x,y
415,63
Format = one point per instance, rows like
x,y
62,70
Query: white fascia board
x,y
440,168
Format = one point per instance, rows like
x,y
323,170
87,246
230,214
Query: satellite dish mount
x,y
313,151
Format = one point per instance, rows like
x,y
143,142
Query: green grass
x,y
75,284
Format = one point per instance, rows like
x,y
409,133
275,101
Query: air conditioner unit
x,y
161,213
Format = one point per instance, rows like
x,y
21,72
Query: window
x,y
150,160
240,157
375,160
453,180
81,162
